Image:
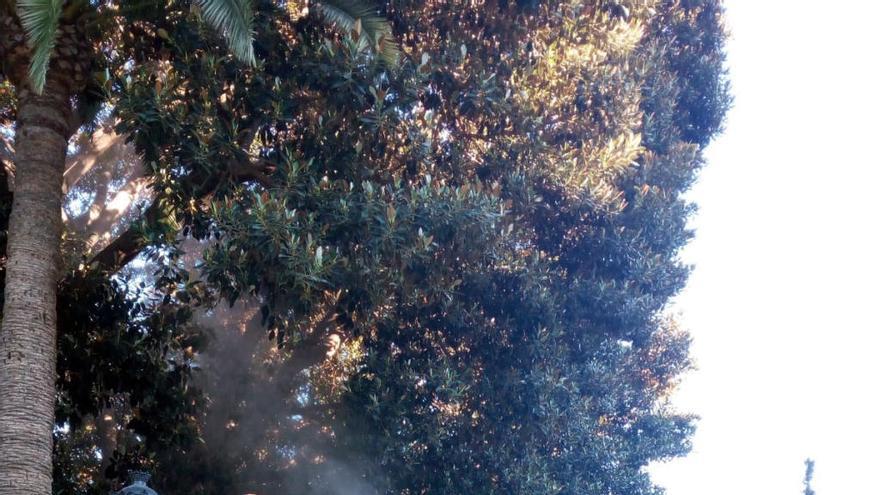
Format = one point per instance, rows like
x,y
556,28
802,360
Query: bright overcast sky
x,y
783,303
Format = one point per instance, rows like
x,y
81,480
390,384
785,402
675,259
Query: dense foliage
x,y
461,260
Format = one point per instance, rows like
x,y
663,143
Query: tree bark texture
x,y
28,330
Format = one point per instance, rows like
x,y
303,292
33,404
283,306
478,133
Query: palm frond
x,y
345,14
39,18
234,19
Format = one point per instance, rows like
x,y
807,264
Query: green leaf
x,y
364,17
234,19
39,18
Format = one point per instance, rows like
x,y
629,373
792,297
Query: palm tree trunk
x,y
28,330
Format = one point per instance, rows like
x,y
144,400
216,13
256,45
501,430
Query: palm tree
x,y
46,51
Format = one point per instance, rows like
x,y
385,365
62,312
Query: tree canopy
x,y
421,247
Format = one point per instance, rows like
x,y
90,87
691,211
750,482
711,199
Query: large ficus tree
x,y
60,62
501,276
462,261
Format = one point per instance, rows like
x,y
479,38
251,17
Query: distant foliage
x,y
808,477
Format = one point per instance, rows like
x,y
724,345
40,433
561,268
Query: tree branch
x,y
320,345
7,161
130,243
258,171
126,247
5,190
6,152
103,148
101,221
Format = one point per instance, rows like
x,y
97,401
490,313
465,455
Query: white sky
x,y
783,302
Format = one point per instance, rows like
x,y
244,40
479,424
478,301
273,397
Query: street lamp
x,y
138,485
